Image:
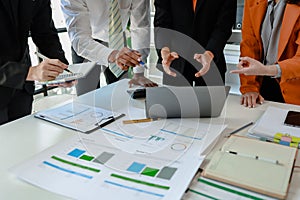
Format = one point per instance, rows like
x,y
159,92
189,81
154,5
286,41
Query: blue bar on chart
x,y
136,167
76,153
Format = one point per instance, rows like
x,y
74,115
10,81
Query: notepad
x,y
255,165
62,78
79,71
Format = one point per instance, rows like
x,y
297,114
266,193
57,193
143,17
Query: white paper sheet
x,y
119,162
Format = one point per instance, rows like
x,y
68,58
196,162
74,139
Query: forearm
x,y
78,23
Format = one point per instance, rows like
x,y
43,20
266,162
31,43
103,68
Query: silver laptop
x,y
185,102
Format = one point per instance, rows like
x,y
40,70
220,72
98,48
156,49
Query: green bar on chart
x,y
150,171
87,158
140,182
228,189
75,164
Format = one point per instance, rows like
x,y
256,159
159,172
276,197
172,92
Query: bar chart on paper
x,y
117,162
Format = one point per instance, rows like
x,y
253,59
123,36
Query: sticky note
x,y
284,143
286,139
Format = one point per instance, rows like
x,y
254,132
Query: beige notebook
x,y
255,165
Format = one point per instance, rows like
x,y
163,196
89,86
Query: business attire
x,y
285,43
194,26
17,19
88,26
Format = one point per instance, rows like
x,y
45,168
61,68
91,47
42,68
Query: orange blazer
x,y
288,56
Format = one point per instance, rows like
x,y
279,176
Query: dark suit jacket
x,y
18,18
210,26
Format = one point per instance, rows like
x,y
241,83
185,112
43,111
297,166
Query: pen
x,y
254,157
112,119
45,57
141,62
139,120
239,129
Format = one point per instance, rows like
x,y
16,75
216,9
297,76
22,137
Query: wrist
x,y
277,71
30,74
113,56
210,54
137,75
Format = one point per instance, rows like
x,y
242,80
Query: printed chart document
x,y
272,122
255,165
207,189
76,116
155,160
79,71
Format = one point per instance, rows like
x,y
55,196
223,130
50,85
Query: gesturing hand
x,y
168,57
250,66
205,59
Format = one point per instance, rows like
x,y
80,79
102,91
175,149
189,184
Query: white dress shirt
x,y
87,20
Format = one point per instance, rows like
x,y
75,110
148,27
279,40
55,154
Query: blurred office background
x,y
47,97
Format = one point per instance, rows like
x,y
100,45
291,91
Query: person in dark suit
x,y
18,19
189,35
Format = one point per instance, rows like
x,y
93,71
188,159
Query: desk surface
x,y
23,138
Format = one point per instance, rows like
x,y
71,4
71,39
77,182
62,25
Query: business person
x,y
270,53
88,27
206,23
17,19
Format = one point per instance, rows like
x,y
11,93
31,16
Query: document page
x,y
122,162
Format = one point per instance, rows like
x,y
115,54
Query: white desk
x,y
28,136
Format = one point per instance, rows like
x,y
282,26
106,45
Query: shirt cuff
x,y
138,69
278,75
105,55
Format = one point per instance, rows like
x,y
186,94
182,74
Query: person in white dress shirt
x,y
87,23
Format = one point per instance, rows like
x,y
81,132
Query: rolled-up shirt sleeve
x,y
77,19
140,29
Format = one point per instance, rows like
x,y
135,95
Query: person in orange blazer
x,y
286,71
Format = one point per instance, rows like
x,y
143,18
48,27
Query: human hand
x,y
250,99
125,58
47,70
168,57
140,79
205,59
249,66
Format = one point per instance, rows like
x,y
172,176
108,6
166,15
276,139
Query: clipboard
x,y
79,117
